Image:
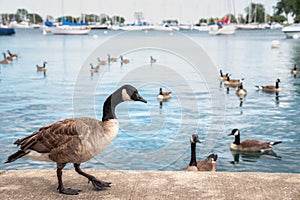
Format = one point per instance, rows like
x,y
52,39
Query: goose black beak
x,y
230,134
138,97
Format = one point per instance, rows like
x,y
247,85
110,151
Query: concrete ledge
x,y
42,184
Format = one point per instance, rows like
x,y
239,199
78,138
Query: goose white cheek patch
x,y
125,96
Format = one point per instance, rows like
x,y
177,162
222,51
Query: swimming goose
x,y
41,68
101,62
222,76
250,145
5,60
294,71
76,140
94,69
232,82
270,88
241,91
163,95
209,164
125,61
12,56
111,59
152,60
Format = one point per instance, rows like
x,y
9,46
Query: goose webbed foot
x,y
99,185
68,191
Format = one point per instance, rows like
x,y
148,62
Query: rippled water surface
x,y
154,136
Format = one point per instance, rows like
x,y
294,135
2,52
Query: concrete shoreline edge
x,y
42,184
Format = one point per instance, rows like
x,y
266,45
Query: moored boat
x,y
292,31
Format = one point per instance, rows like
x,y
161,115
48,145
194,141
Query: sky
x,y
186,11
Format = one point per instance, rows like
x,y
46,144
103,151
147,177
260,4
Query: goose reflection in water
x,y
251,156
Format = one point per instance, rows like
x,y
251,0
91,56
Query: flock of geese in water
x,y
77,140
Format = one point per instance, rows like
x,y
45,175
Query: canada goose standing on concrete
x,y
209,164
250,145
162,96
270,88
41,68
76,140
294,71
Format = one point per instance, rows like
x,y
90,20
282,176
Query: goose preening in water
x,y
41,68
209,164
250,145
110,59
101,62
233,82
5,60
125,61
223,77
162,96
12,55
152,60
294,71
76,140
270,88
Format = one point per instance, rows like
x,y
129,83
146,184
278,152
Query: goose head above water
x,y
208,164
76,140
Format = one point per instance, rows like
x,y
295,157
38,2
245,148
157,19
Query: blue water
x,y
151,136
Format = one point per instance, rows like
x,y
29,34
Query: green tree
x,y
255,13
287,7
21,15
34,18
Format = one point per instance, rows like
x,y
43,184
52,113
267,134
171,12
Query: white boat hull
x,y
292,31
224,30
69,30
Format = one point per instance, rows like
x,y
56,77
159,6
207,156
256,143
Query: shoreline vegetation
x,y
254,13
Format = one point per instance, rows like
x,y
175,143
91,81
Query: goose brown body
x,y
209,164
270,88
250,145
162,96
295,70
41,68
241,91
232,82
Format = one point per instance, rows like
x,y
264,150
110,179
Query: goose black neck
x,y
109,106
193,161
277,84
237,139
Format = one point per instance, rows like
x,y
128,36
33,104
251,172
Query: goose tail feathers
x,y
20,153
274,143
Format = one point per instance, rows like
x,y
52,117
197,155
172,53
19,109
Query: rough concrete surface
x,y
42,184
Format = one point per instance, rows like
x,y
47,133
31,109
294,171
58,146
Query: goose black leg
x,y
60,187
98,185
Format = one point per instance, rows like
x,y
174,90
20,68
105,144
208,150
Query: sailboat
x,y
222,27
69,28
